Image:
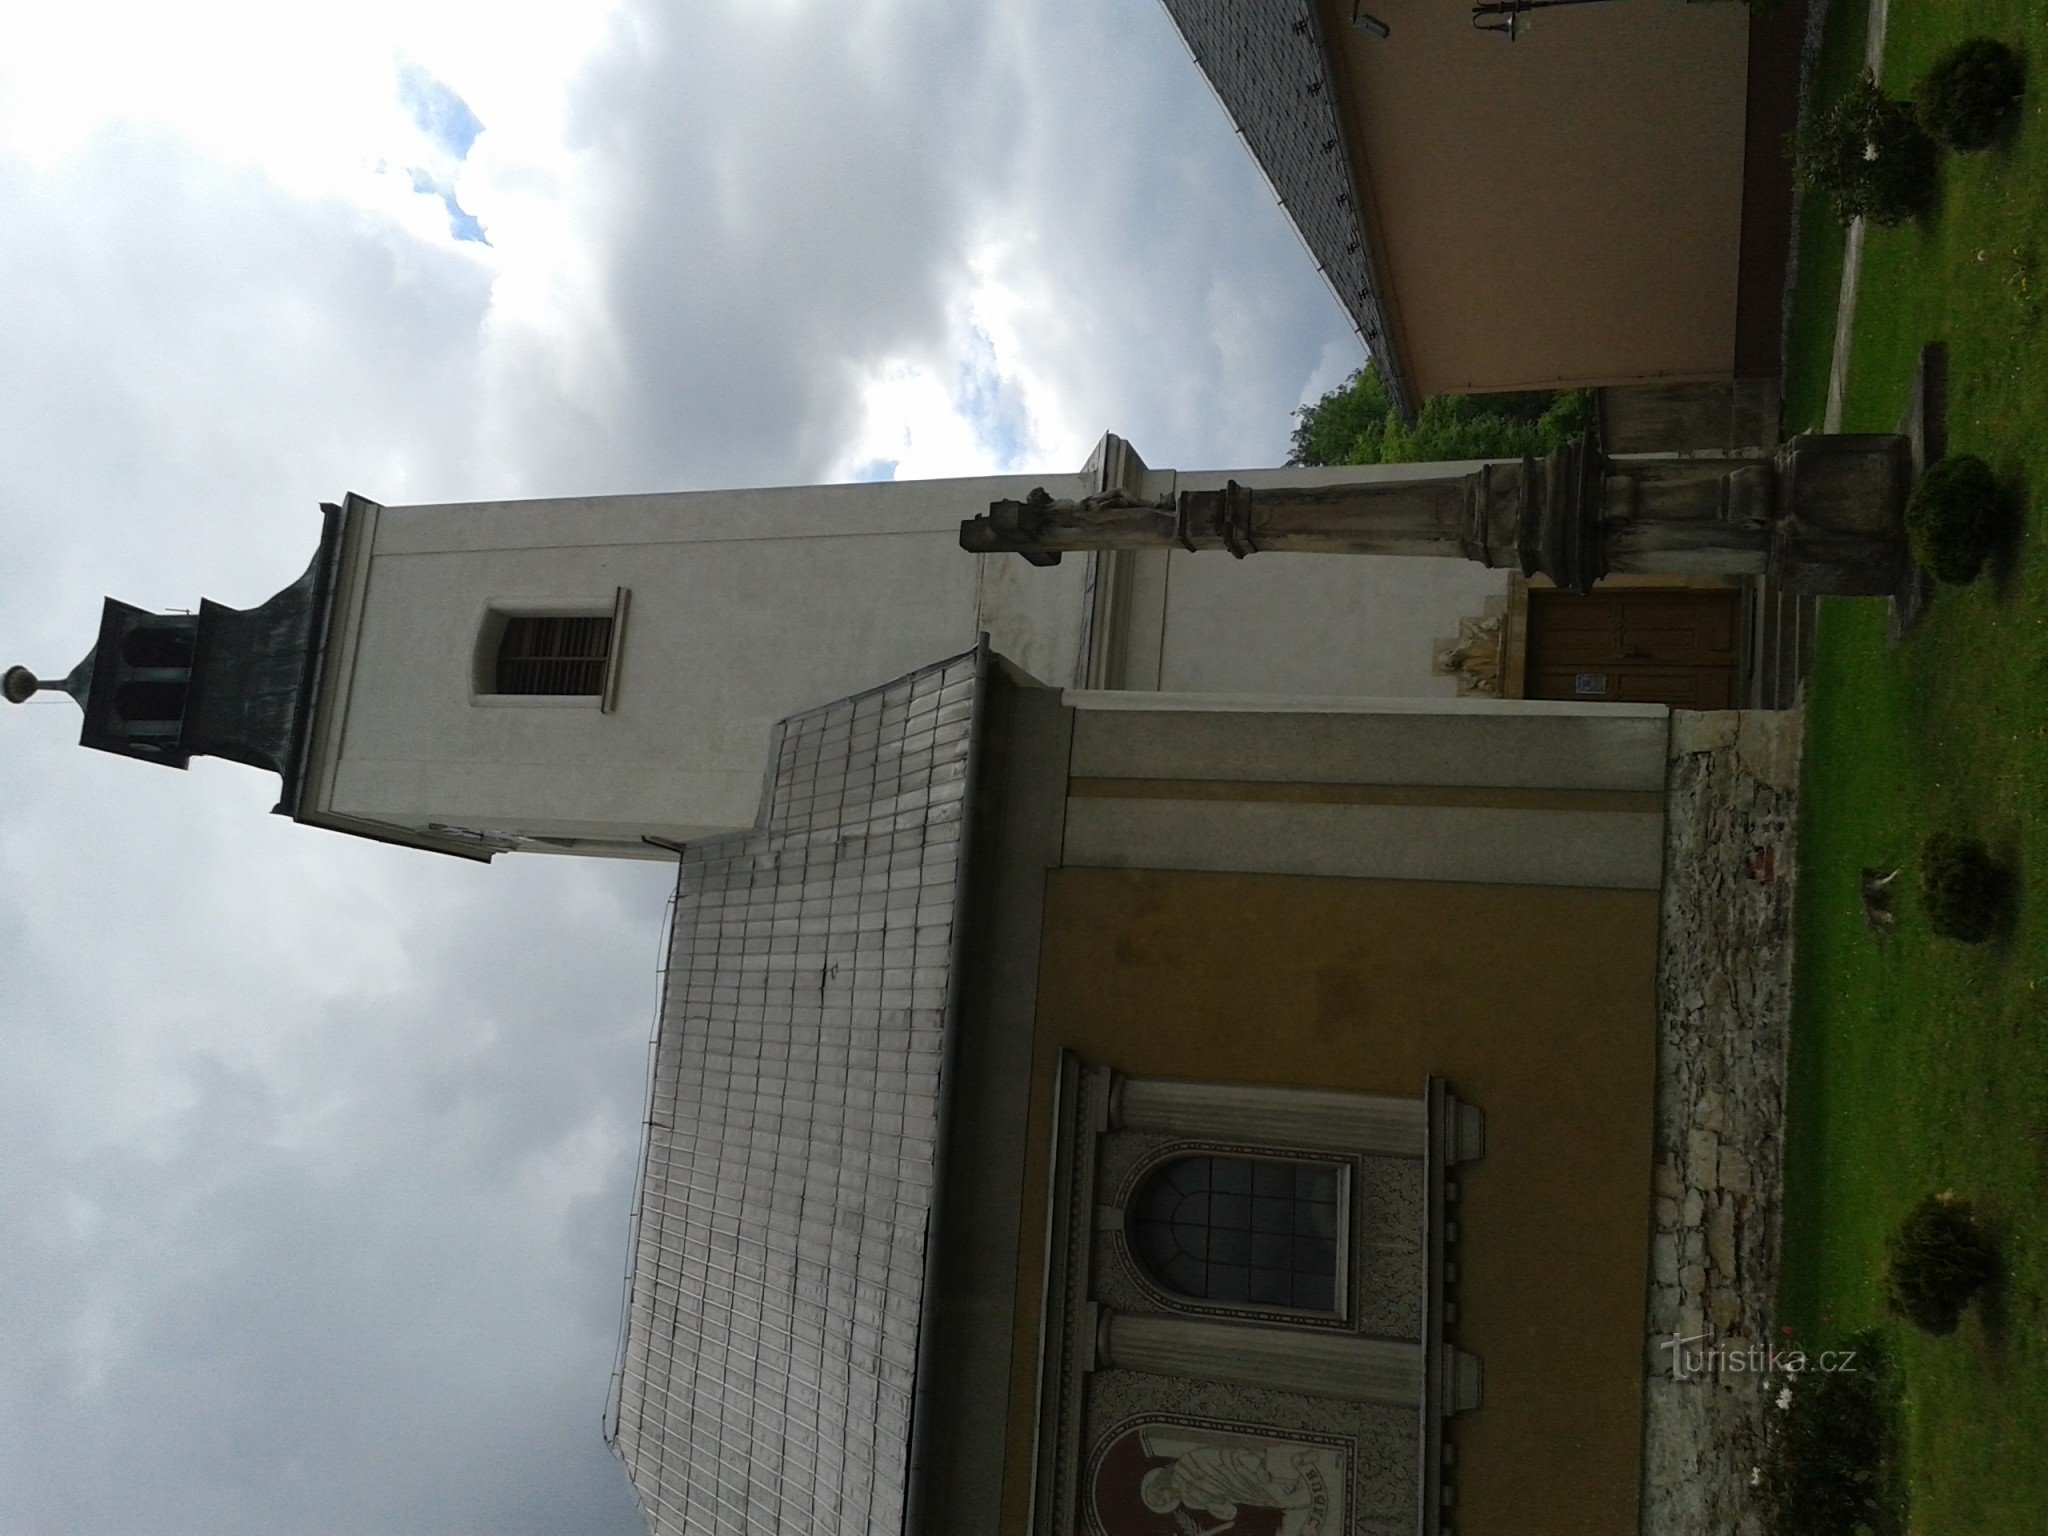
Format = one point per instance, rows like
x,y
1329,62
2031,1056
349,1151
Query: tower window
x,y
1241,1231
150,703
158,646
540,651
553,654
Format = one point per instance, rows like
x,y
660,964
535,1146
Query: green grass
x,y
1919,1064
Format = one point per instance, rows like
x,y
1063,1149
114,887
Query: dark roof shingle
x,y
788,1177
1266,61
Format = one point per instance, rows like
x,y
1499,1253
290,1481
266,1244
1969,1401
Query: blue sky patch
x,y
876,469
462,224
988,403
451,128
437,111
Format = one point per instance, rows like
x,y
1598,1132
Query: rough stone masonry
x,y
1724,984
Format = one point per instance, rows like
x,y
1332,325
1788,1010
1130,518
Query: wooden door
x,y
1635,645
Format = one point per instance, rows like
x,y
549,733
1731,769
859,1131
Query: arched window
x,y
157,645
1260,1232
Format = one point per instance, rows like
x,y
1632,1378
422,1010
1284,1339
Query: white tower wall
x,y
744,607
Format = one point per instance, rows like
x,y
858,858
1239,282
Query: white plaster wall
x,y
749,606
746,607
1358,626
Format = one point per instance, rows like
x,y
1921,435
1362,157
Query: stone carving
x,y
1477,655
1192,1479
1367,1452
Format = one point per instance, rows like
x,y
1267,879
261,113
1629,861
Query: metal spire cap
x,y
19,684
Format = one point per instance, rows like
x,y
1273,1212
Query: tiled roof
x,y
1265,60
770,1353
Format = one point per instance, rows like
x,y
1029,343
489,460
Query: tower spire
x,y
19,685
223,682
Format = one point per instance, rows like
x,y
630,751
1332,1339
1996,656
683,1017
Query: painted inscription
x,y
1192,1479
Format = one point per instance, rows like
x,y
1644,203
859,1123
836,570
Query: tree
x,y
1868,155
1356,423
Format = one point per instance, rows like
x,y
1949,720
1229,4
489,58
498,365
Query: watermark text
x,y
1701,1355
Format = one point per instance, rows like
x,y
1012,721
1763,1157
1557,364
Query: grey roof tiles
x,y
788,1175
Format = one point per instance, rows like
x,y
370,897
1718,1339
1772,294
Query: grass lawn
x,y
1918,1064
1812,341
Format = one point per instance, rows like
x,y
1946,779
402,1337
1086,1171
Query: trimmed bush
x,y
1869,156
1970,97
1955,516
1940,1259
1964,892
1825,1472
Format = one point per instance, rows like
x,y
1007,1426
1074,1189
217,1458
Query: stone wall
x,y
1724,1002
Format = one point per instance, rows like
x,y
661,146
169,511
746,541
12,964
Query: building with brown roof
x,y
1599,197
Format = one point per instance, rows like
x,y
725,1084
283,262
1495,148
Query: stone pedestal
x,y
1841,521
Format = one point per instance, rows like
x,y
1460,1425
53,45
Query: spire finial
x,y
19,683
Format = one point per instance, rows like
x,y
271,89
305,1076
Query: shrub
x,y
1826,1469
1955,515
1869,156
1356,423
1972,94
1964,892
1940,1259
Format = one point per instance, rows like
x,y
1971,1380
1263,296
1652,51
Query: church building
x,y
1120,1113
1139,1053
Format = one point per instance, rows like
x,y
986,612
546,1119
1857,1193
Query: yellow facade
x,y
1535,1002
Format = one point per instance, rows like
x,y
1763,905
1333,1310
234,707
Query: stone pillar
x,y
1311,1361
1824,514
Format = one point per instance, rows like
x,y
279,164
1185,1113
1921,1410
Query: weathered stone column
x,y
1824,514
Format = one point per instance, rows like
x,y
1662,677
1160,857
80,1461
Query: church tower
x,y
576,675
605,675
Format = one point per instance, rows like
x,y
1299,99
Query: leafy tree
x,y
1356,423
1868,155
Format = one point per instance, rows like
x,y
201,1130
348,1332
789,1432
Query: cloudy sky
x,y
315,1155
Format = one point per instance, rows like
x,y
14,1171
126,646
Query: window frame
x,y
1086,1327
490,636
1155,1164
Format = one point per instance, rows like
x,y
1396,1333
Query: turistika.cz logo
x,y
1698,1355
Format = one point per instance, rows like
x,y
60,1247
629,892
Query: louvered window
x,y
545,653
